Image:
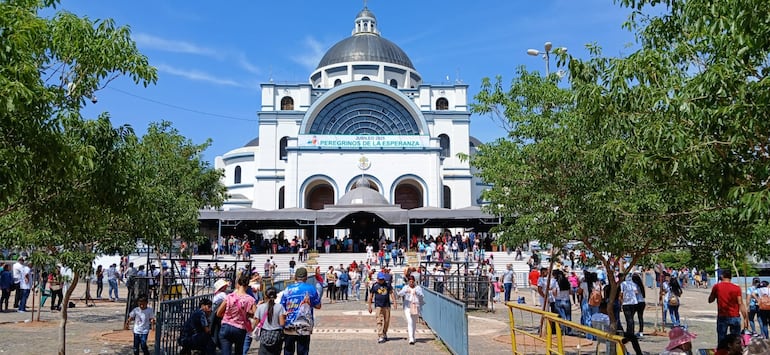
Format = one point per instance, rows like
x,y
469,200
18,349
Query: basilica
x,y
363,138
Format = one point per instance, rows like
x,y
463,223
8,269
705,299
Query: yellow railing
x,y
552,323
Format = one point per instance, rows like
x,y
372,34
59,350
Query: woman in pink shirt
x,y
574,283
236,312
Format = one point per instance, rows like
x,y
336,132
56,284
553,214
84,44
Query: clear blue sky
x,y
212,55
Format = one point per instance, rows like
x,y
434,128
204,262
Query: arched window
x,y
366,78
237,179
281,198
442,104
287,103
447,197
337,82
282,154
444,142
394,83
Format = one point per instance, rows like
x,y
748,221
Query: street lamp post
x,y
546,53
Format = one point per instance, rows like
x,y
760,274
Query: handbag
x,y
414,308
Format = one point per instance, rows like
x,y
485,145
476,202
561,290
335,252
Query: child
x,y
498,290
143,318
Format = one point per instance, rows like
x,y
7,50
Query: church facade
x,y
364,114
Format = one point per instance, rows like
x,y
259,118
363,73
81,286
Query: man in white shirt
x,y
17,267
508,279
25,284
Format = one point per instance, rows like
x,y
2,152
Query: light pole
x,y
546,53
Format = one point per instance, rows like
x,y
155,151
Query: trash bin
x,y
601,322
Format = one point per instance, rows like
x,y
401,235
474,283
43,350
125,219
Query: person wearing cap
x,y
680,342
196,332
299,300
382,296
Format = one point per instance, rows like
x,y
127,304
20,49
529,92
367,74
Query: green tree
x,y
63,177
173,182
547,185
689,107
660,150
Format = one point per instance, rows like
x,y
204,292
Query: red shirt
x,y
533,276
727,295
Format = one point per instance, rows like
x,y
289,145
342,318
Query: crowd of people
x,y
282,321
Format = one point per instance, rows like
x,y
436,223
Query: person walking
x,y
55,282
112,279
99,276
270,316
561,299
220,293
235,312
533,277
752,299
413,299
628,298
508,281
730,306
344,280
383,298
355,284
763,302
144,318
641,304
299,300
25,285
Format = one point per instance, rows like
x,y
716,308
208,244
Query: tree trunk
x,y
64,310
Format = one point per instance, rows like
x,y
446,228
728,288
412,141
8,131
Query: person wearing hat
x,y
680,342
220,293
299,300
382,296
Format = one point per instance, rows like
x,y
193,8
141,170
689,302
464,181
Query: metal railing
x,y
170,317
552,341
447,318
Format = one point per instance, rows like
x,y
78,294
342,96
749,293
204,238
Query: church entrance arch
x,y
318,194
409,194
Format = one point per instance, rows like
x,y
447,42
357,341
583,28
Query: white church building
x,y
364,114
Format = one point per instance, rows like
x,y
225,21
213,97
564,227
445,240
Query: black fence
x,y
170,317
468,285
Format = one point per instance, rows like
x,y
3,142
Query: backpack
x,y
764,302
595,299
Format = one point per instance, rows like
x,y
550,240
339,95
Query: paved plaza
x,y
341,328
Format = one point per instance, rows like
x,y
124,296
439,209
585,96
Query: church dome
x,y
362,195
365,45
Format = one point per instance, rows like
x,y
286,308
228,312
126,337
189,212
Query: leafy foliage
x,y
73,187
